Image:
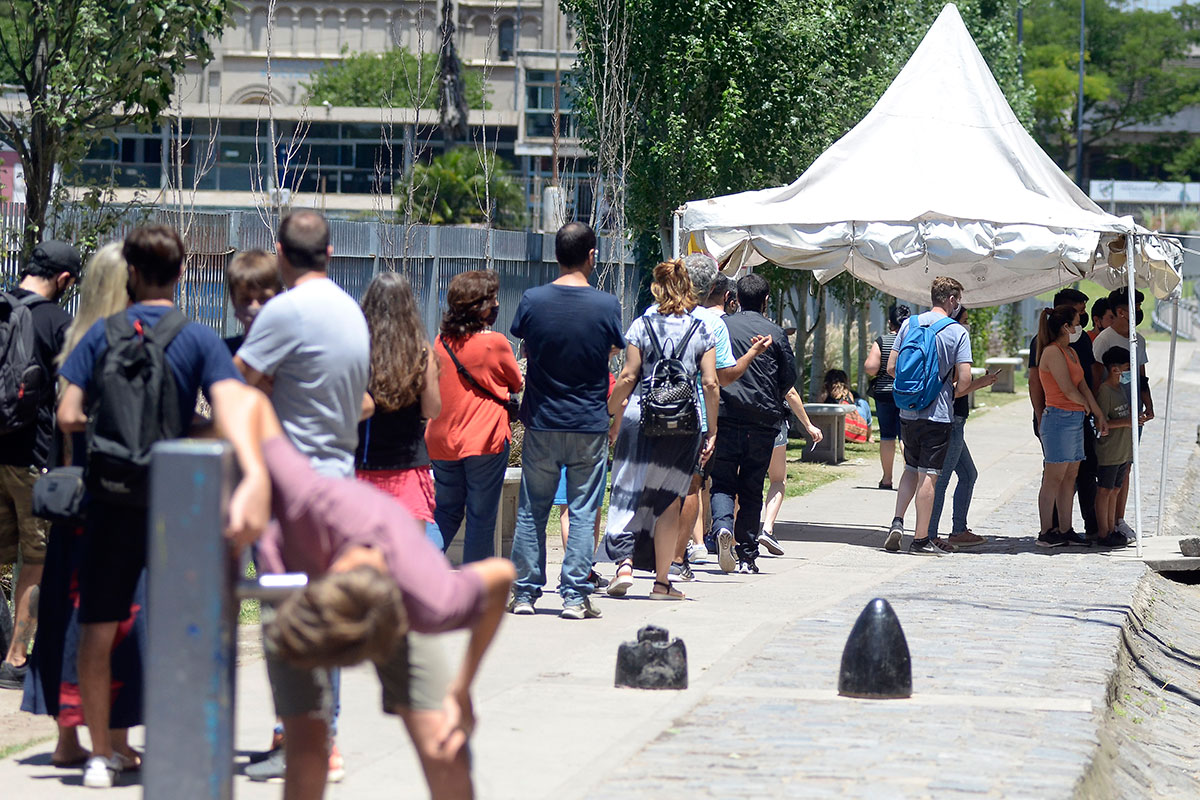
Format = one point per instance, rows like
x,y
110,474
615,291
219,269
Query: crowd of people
x,y
365,448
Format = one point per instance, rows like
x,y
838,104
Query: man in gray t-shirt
x,y
310,350
926,432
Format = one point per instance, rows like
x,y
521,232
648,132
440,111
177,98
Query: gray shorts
x,y
414,678
782,438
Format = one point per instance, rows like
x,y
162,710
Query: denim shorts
x,y
889,417
1062,436
782,437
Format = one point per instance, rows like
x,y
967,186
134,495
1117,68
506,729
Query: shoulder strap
x,y
32,299
940,325
468,377
655,345
117,327
169,326
687,337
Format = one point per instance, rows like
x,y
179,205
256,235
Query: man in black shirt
x,y
1085,481
27,452
752,409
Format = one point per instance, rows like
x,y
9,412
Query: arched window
x,y
506,39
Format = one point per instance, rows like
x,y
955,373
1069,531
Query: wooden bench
x,y
506,520
1006,381
831,419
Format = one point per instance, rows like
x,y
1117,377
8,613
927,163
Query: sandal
x,y
887,487
671,592
621,583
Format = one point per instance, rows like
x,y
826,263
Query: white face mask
x,y
1075,334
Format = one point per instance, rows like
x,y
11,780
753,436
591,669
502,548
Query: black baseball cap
x,y
52,257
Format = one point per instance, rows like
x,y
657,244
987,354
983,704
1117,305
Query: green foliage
x,y
454,189
979,321
87,66
1134,74
393,79
731,96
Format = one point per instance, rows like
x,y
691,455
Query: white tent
x,y
939,174
940,178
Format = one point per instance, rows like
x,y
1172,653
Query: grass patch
x,y
249,611
13,749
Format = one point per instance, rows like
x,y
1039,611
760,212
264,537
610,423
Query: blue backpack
x,y
918,379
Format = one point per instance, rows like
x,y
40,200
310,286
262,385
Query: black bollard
x,y
653,661
875,663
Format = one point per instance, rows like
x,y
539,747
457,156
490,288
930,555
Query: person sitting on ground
x,y
251,279
881,389
1102,317
836,389
360,548
1114,452
1067,399
959,462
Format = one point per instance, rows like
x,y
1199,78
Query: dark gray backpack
x,y
22,379
131,404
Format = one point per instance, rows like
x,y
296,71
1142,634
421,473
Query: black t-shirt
x,y
392,440
32,445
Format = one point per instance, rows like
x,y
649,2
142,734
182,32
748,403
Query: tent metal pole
x,y
1135,392
1162,478
676,219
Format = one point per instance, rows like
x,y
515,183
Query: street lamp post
x,y
1079,115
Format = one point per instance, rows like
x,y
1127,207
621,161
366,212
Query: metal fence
x,y
430,256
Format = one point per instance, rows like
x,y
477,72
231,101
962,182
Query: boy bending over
x,y
375,574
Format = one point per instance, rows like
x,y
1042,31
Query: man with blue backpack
x,y
931,363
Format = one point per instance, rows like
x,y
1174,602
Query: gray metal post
x,y
190,661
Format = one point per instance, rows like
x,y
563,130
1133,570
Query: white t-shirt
x,y
313,340
1109,339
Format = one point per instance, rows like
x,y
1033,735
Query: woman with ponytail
x,y
652,474
1068,400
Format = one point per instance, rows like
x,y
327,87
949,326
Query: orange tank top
x,y
1054,393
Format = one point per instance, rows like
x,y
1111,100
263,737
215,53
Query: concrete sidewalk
x,y
1013,650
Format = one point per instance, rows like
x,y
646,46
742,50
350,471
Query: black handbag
x,y
511,405
59,495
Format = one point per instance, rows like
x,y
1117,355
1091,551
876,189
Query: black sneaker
x,y
597,581
768,540
747,566
1075,539
930,547
1114,539
13,677
1051,538
270,770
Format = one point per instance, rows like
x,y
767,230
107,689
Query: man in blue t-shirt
x,y
926,433
569,329
114,540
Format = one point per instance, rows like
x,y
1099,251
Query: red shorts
x,y
413,488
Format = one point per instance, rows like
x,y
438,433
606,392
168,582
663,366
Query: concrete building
x,y
350,159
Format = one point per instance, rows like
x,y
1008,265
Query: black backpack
x,y
23,382
669,391
131,404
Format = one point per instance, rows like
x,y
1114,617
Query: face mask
x,y
1126,378
492,315
1138,318
1075,334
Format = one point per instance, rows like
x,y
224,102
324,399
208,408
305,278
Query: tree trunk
x,y
847,364
862,348
816,372
801,311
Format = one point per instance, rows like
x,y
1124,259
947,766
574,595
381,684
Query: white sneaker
x,y
101,772
725,555
697,553
1123,528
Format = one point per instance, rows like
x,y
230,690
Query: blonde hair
x,y
339,620
102,293
672,288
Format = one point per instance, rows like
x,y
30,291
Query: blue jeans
x,y
472,485
958,461
543,456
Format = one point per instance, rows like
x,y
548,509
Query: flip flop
x,y
887,487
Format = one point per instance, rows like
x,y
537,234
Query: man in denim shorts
x,y
926,433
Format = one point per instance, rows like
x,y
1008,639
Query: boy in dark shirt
x,y
1114,452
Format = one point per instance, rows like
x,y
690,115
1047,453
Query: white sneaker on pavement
x,y
101,772
697,553
725,555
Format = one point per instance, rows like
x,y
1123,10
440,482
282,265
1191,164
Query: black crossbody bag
x,y
511,405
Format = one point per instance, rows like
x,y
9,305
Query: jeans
x,y
543,456
739,466
472,484
959,461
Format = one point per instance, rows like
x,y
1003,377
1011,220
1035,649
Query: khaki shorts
x,y
414,678
20,531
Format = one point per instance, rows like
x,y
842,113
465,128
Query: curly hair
x,y
399,350
672,288
837,386
468,301
338,620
